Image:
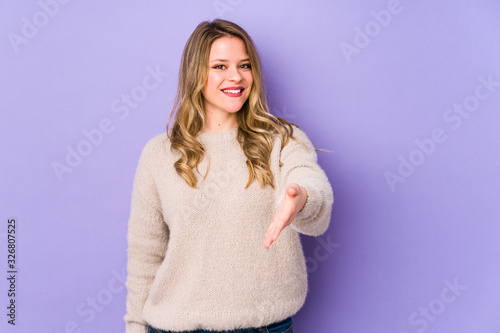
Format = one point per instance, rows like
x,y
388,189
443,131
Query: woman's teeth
x,y
232,91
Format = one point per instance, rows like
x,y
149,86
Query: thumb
x,y
293,190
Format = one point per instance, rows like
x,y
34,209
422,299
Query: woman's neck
x,y
218,127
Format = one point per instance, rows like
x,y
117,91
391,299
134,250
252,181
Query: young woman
x,y
214,192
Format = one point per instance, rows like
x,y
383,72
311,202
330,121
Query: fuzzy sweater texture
x,y
196,258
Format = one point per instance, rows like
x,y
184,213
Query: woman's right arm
x,y
147,241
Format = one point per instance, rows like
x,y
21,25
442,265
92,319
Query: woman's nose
x,y
233,74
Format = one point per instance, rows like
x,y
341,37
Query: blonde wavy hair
x,y
256,125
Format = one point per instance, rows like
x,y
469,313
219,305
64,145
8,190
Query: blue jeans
x,y
284,326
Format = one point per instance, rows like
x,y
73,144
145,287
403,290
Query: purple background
x,y
393,251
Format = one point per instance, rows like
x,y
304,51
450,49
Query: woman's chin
x,y
234,109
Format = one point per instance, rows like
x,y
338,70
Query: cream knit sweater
x,y
196,257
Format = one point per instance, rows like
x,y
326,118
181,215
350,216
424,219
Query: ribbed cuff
x,y
136,328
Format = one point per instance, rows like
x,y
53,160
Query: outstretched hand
x,y
293,201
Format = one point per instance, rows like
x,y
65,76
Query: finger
x,y
279,221
267,242
276,231
292,191
273,232
268,239
270,230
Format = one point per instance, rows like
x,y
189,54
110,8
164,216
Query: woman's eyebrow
x,y
218,60
225,60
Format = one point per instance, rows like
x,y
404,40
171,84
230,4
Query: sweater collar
x,y
216,137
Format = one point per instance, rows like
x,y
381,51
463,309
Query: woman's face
x,y
229,77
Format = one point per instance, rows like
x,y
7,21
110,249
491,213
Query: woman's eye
x,y
246,66
218,67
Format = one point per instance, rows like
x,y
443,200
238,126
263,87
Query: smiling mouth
x,y
232,91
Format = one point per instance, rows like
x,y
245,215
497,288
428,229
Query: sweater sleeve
x,y
147,242
299,165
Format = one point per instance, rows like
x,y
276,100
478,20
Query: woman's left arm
x,y
307,199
